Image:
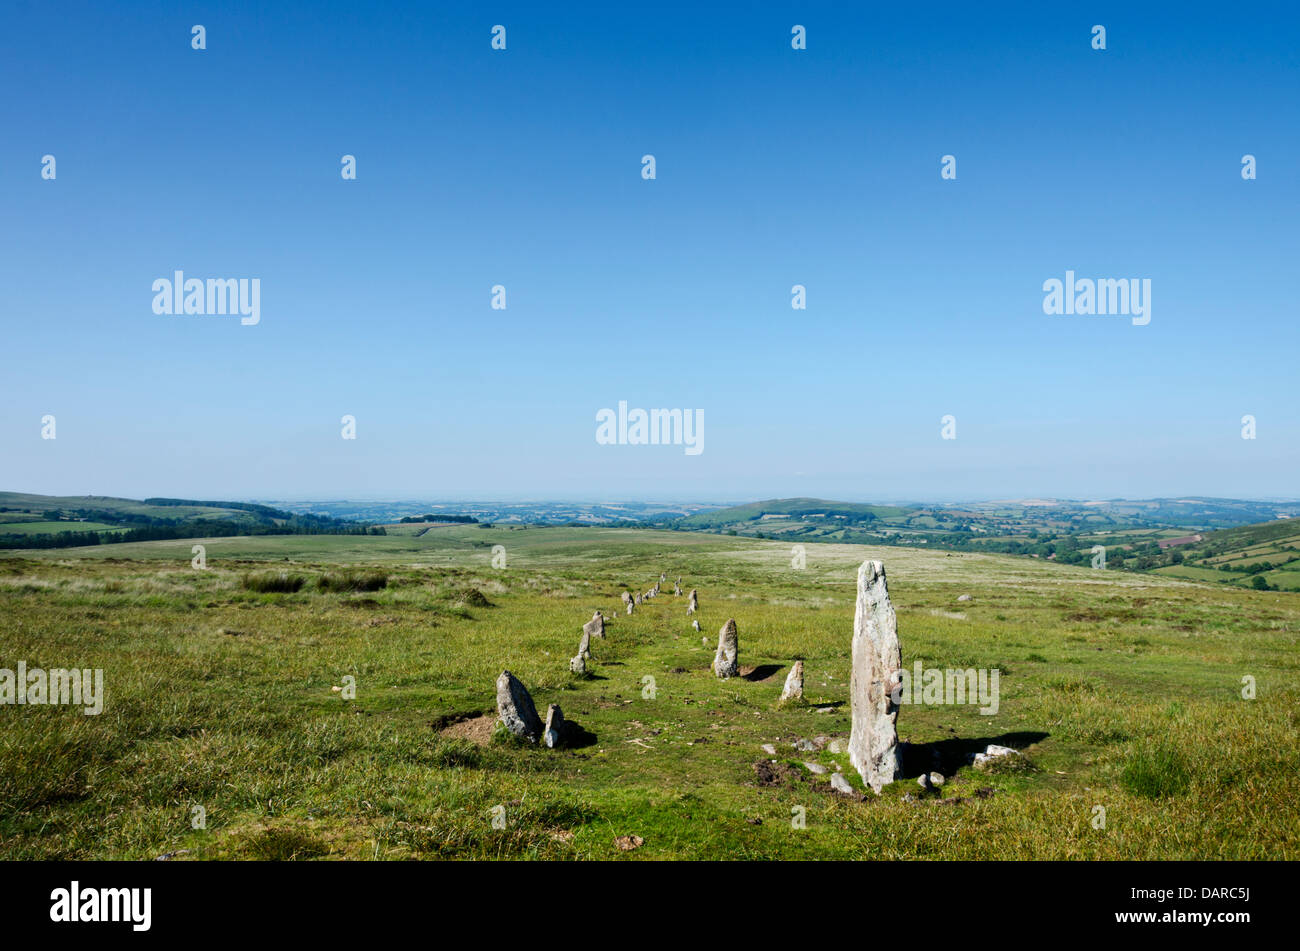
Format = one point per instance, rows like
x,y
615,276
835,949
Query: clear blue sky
x,y
775,167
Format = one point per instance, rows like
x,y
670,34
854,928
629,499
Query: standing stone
x,y
793,692
515,708
677,590
629,607
627,597
726,660
696,625
553,735
594,628
877,662
693,602
637,599
663,576
578,665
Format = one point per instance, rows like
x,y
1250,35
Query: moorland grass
x,y
1121,691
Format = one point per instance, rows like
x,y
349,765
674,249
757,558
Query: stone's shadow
x,y
762,672
947,756
831,704
575,737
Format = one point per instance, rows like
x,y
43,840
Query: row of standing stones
x,y
875,670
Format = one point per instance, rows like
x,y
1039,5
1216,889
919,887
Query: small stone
x,y
515,708
578,665
842,785
626,843
805,746
793,690
726,662
696,625
629,607
964,597
816,768
936,779
993,752
820,741
553,735
836,746
769,749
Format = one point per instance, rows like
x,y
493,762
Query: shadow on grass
x,y
577,737
947,756
762,672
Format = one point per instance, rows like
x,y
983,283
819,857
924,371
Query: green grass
x,y
1122,690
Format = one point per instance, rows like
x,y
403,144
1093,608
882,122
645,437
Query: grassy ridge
x,y
1123,690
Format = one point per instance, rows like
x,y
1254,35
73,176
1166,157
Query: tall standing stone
x,y
877,664
595,627
793,690
693,602
726,662
515,708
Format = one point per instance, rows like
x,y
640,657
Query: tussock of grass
x,y
1156,772
273,583
352,581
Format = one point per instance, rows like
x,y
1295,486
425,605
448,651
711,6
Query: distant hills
x,y
48,521
1234,541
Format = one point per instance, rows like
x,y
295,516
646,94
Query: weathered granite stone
x,y
637,599
696,625
993,751
769,749
726,662
793,690
578,665
842,785
629,607
963,597
595,627
553,735
693,602
816,769
515,708
876,666
627,597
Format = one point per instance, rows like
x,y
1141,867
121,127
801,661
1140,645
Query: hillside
x,y
1118,690
50,521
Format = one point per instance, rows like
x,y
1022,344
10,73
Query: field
x,y
1122,691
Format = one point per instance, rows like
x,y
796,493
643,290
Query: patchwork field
x,y
1122,691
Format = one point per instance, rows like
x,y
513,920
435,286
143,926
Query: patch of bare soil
x,y
475,729
776,774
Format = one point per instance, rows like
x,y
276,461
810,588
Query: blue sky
x,y
775,167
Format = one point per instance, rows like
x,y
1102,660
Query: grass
x,y
1120,690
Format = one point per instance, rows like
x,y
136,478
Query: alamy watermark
x,y
940,687
1125,297
58,687
655,427
209,298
